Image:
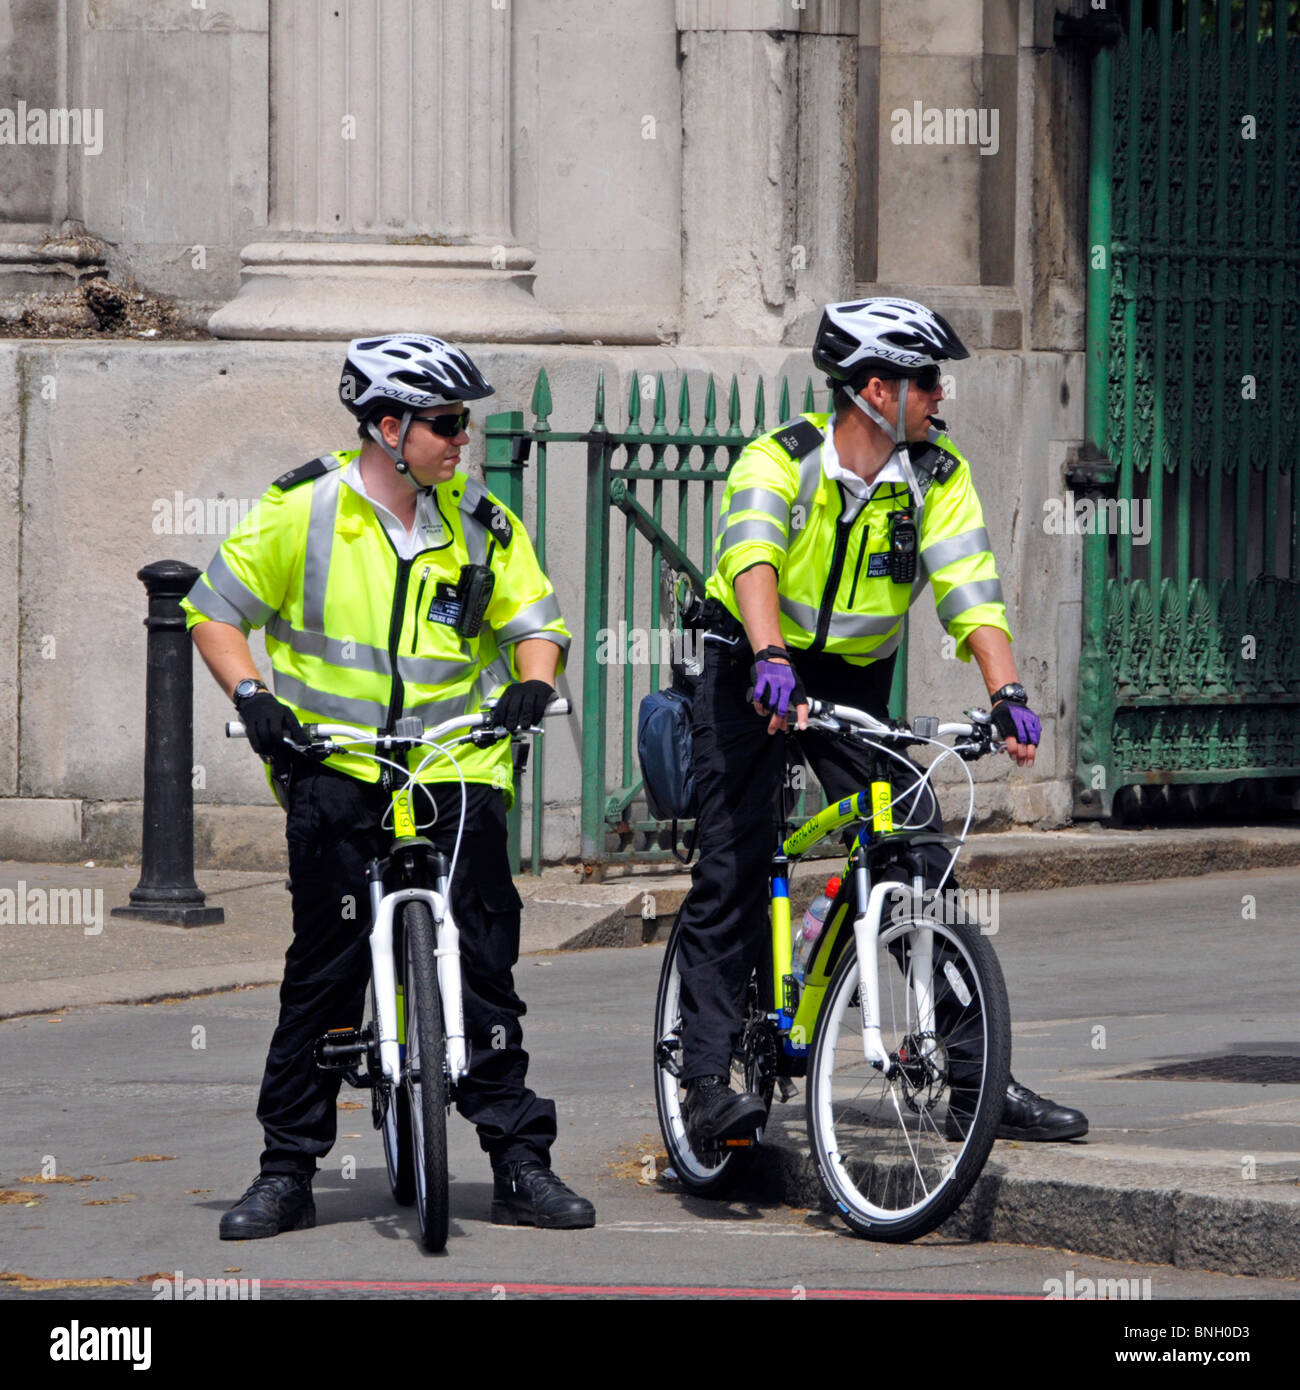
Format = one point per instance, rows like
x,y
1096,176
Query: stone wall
x,y
648,186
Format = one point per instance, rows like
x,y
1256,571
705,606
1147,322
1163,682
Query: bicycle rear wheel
x,y
898,1155
393,1120
426,1074
714,1173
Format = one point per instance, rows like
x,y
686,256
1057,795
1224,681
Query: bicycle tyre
x,y
702,1176
889,1168
426,1075
395,1129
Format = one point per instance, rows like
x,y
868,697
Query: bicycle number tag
x,y
403,820
882,811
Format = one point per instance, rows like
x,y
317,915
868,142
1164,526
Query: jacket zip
x,y
419,594
857,569
833,578
395,625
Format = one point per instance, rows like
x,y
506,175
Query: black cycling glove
x,y
521,705
268,723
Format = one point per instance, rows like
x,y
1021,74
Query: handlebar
x,y
979,734
410,729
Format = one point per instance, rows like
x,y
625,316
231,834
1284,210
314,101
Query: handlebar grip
x,y
560,705
235,729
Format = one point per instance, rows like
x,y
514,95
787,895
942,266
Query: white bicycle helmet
x,y
882,337
409,372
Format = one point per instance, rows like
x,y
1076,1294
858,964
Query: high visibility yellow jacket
x,y
832,561
358,635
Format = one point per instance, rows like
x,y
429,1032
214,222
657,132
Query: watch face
x,y
246,687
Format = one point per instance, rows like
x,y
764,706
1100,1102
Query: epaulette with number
x,y
491,516
798,438
305,473
932,464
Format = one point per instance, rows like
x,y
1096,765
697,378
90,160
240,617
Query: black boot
x,y
1035,1119
276,1202
527,1193
715,1112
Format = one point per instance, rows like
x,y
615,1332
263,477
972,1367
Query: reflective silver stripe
x,y
560,639
861,624
841,624
475,532
889,645
970,595
528,620
800,613
741,531
941,553
757,499
495,674
212,605
368,713
359,656
320,545
428,670
436,711
810,476
227,585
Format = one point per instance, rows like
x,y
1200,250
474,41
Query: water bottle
x,y
813,922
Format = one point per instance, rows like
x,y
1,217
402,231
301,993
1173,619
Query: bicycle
x,y
904,1092
412,1039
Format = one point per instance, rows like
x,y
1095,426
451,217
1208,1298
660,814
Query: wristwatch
x,y
1012,691
250,685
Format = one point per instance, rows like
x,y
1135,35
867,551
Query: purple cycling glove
x,y
776,686
1017,721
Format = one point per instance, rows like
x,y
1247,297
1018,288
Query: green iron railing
x,y
1190,671
666,484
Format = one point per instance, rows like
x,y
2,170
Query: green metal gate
x,y
1190,669
665,482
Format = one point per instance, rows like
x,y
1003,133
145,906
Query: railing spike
x,y
541,403
599,422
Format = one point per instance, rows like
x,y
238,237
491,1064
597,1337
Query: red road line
x,y
645,1290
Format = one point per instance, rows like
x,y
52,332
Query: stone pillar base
x,y
345,290
35,266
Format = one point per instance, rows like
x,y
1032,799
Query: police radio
x,y
473,594
902,547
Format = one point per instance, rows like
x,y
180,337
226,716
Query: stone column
x,y
768,107
40,260
390,177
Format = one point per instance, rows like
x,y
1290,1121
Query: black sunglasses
x,y
928,377
448,426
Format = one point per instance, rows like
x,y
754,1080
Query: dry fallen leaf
x,y
108,1201
153,1158
233,1269
85,1177
351,1105
197,1191
10,1197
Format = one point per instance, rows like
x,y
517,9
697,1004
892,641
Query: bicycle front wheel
x,y
897,1154
426,1074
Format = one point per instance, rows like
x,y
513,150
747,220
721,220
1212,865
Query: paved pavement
x,y
1200,1174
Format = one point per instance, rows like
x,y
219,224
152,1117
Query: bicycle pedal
x,y
341,1048
788,1090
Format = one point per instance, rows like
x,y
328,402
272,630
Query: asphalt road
x,y
156,1133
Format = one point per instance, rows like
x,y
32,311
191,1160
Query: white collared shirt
x,y
855,486
427,532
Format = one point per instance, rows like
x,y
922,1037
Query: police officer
x,y
360,566
822,525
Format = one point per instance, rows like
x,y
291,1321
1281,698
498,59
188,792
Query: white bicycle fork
x,y
866,933
384,908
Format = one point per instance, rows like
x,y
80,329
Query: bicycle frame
x,y
797,1019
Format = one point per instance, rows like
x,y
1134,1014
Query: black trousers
x,y
739,769
333,830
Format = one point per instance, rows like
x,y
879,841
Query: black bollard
x,y
167,891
